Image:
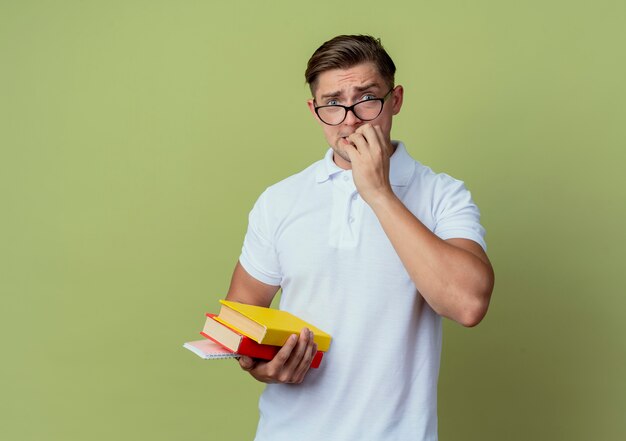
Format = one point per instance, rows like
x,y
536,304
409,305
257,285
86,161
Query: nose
x,y
352,119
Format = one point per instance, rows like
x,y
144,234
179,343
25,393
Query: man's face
x,y
349,86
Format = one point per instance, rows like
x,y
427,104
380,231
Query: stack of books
x,y
255,331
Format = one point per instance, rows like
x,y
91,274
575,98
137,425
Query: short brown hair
x,y
345,51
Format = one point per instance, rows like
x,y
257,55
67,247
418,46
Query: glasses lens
x,y
332,115
368,110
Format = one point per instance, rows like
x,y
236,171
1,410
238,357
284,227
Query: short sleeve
x,y
258,255
455,213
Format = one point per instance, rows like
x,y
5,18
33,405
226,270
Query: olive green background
x,y
136,135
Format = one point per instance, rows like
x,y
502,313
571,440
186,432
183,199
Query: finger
x,y
362,128
351,151
386,143
359,142
378,132
298,353
305,364
369,133
376,140
283,355
271,371
246,363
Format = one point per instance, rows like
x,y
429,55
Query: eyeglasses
x,y
365,110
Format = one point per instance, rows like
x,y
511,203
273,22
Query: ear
x,y
312,109
397,96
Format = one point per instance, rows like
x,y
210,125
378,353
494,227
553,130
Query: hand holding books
x,y
289,365
255,334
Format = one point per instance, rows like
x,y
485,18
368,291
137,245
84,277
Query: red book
x,y
242,345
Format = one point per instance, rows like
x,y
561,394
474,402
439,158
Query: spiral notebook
x,y
208,349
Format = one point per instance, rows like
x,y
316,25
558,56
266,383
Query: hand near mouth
x,y
369,153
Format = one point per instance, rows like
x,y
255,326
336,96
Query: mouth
x,y
345,140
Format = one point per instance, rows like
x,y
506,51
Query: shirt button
x,y
351,220
355,196
345,177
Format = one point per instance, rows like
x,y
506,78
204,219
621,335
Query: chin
x,y
341,153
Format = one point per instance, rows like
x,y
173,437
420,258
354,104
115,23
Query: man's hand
x,y
369,156
289,365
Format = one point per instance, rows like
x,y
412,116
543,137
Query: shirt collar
x,y
327,168
401,166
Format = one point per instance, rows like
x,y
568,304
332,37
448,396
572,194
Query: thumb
x,y
246,362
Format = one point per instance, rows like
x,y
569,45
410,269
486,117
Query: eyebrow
x,y
358,89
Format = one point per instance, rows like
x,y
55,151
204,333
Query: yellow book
x,y
268,326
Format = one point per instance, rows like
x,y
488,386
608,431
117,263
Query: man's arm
x,y
454,276
292,362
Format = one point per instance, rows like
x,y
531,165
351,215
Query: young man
x,y
372,247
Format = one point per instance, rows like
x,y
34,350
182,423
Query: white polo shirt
x,y
315,237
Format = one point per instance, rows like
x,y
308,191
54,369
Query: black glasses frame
x,y
351,109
